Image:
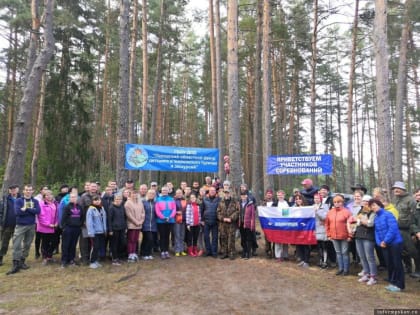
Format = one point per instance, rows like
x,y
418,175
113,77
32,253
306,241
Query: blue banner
x,y
316,164
176,159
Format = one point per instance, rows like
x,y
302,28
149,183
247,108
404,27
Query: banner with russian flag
x,y
294,225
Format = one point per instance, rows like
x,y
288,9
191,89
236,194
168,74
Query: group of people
x,y
365,226
109,223
205,219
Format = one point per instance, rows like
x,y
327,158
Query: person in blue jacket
x,y
388,237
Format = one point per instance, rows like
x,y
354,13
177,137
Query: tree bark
x,y
38,132
145,83
266,89
401,100
16,162
158,79
213,75
233,95
350,159
219,90
385,162
122,128
257,170
313,76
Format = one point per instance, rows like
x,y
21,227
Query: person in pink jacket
x,y
134,212
46,225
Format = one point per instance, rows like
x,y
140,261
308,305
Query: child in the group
x,y
71,223
117,226
246,224
321,211
96,228
193,219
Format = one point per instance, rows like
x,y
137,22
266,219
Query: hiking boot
x,y
23,266
15,268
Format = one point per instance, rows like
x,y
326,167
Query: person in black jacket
x,y
71,223
117,226
209,218
7,219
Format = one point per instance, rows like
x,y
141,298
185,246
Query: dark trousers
x,y
303,252
147,243
331,252
6,235
393,258
84,246
164,230
70,236
48,241
380,255
211,247
96,243
117,244
192,235
247,241
37,244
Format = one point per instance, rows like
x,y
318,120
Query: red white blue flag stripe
x,y
294,225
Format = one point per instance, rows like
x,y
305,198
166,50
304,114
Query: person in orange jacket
x,y
337,231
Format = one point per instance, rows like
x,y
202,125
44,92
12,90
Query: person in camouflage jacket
x,y
406,206
227,215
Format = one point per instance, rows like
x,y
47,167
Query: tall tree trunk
x,y
16,162
257,173
350,159
104,127
158,79
233,94
401,100
122,129
145,83
133,80
385,162
10,95
38,132
266,90
213,75
313,76
219,90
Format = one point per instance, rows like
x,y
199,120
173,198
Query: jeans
x,y
179,231
366,250
96,242
342,252
211,247
22,240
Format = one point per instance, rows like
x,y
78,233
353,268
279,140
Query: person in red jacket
x,y
336,228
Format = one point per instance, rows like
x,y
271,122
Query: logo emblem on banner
x,y
137,157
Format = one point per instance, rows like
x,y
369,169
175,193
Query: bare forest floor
x,y
188,285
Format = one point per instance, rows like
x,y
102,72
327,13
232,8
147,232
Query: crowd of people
x,y
130,224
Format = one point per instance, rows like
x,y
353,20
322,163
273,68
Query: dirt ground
x,y
188,285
